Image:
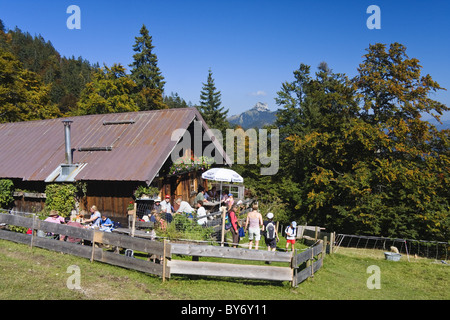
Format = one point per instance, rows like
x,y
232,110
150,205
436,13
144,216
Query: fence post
x,y
223,227
164,261
294,268
332,235
310,263
96,238
133,223
32,230
324,247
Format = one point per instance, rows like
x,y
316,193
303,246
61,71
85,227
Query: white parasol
x,y
222,175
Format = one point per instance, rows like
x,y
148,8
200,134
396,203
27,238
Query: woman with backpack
x,y
270,233
234,225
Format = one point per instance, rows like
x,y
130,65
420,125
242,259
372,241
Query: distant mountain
x,y
257,117
260,115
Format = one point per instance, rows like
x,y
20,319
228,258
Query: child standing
x,y
291,234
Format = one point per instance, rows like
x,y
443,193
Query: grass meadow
x,y
38,274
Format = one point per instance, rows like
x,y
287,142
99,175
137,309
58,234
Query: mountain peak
x,y
261,107
258,116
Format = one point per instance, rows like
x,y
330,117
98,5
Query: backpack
x,y
227,222
293,231
270,230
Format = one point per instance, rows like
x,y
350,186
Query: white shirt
x,y
201,212
166,206
185,207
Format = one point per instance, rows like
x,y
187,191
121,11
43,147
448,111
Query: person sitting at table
x,y
106,224
224,197
152,216
200,195
54,217
73,221
157,205
95,217
184,207
212,193
206,195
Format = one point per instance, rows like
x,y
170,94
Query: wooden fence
x,y
299,266
311,234
88,251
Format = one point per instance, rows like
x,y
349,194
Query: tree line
x,y
36,82
356,156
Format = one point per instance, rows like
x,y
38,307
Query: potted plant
x,y
146,192
186,164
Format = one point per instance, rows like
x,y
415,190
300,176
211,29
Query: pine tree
x,y
145,71
175,101
146,74
212,113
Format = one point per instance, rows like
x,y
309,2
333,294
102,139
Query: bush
x,y
60,197
182,227
6,193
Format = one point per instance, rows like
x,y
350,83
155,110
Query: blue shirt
x,y
108,222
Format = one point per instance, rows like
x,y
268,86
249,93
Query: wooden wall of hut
x,y
184,186
29,202
110,197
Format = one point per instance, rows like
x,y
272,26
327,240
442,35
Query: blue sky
x,y
250,46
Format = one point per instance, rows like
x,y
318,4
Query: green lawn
x,y
32,274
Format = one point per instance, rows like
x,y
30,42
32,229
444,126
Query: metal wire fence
x,y
412,248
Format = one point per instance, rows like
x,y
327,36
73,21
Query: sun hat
x,y
270,215
158,199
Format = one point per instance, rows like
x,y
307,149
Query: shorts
x,y
254,232
290,241
271,243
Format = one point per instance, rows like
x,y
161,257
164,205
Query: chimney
x,y
68,150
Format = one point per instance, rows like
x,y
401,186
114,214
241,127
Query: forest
x,y
355,154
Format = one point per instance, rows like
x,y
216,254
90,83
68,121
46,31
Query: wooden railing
x,y
314,261
224,269
299,266
88,251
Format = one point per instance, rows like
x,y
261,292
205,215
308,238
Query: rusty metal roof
x,y
141,143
